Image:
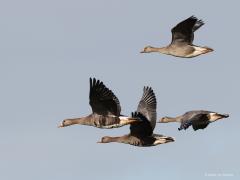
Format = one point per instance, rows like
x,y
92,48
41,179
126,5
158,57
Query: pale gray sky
x,y
50,48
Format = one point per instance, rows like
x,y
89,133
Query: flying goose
x,y
182,39
141,132
197,119
105,109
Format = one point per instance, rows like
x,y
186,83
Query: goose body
x,y
182,41
105,109
141,132
199,119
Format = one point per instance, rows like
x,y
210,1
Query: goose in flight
x,y
105,109
197,119
141,132
182,40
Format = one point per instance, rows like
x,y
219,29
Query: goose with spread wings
x,y
182,40
105,109
198,119
141,132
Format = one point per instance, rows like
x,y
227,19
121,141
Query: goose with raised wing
x,y
199,119
141,132
182,41
105,109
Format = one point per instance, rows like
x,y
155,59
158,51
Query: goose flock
x,y
106,108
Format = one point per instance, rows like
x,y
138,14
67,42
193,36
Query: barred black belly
x,y
106,122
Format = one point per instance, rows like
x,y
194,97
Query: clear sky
x,y
50,48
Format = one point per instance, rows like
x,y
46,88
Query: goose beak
x,y
61,125
142,51
161,120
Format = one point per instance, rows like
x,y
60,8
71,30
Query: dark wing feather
x,y
183,32
148,105
200,125
185,124
141,129
198,121
102,100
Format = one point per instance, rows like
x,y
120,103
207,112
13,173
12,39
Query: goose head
x,y
147,49
106,139
65,122
167,119
163,120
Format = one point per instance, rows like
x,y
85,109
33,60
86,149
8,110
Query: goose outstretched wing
x,y
184,31
102,100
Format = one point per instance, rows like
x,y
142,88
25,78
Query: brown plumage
x,y
182,39
141,132
105,109
199,119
